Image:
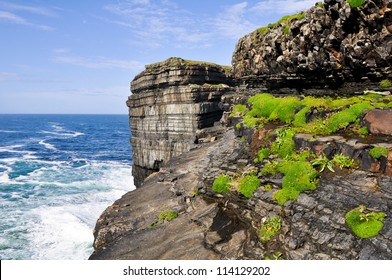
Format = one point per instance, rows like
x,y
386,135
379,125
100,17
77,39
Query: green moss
x,y
262,30
300,117
286,30
221,184
238,125
248,185
385,84
343,118
167,215
269,229
299,176
284,111
250,121
271,168
356,3
284,144
239,110
262,154
378,152
363,223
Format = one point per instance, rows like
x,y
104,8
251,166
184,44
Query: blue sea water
x,y
57,174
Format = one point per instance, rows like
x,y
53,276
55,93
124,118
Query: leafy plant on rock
x,y
364,223
343,161
323,162
385,84
269,228
356,3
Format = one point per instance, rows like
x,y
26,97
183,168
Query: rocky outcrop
x,y
215,226
171,102
330,48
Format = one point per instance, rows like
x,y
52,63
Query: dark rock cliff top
x,y
326,46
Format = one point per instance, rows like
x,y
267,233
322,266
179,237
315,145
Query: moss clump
x,y
262,154
221,184
385,84
284,111
363,223
248,185
299,176
269,229
239,110
378,152
356,3
343,118
167,215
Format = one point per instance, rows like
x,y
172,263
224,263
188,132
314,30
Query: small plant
x,y
167,215
323,162
356,3
363,223
378,152
269,229
385,84
284,144
248,185
238,126
268,188
221,184
343,161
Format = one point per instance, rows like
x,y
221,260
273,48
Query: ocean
x,y
57,174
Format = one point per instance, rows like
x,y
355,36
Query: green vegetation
x,y
378,152
167,215
284,144
248,185
322,162
356,3
262,154
385,84
343,161
364,223
221,184
284,21
277,256
239,110
269,229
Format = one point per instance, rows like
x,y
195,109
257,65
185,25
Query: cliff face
x,y
328,47
171,102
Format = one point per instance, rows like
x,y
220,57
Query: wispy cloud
x,y
159,22
233,22
5,76
10,13
31,9
97,62
283,6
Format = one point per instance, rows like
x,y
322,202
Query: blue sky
x,y
79,56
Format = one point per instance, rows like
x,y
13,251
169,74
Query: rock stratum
x,y
172,102
179,148
328,49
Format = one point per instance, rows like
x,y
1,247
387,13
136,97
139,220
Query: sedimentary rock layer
x,y
171,100
330,46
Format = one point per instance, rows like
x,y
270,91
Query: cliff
x,y
287,176
328,49
171,102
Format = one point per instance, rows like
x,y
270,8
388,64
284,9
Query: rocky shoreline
x,y
192,122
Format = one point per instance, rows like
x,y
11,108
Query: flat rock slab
x,y
379,121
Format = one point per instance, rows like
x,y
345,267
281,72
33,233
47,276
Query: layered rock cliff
x,y
327,49
171,102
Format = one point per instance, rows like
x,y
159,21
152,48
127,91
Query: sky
x,y
79,56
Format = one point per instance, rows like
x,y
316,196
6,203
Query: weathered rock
x,y
331,48
171,101
379,121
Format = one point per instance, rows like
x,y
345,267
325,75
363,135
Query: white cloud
x,y
159,22
97,62
8,14
284,7
5,76
233,21
31,9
